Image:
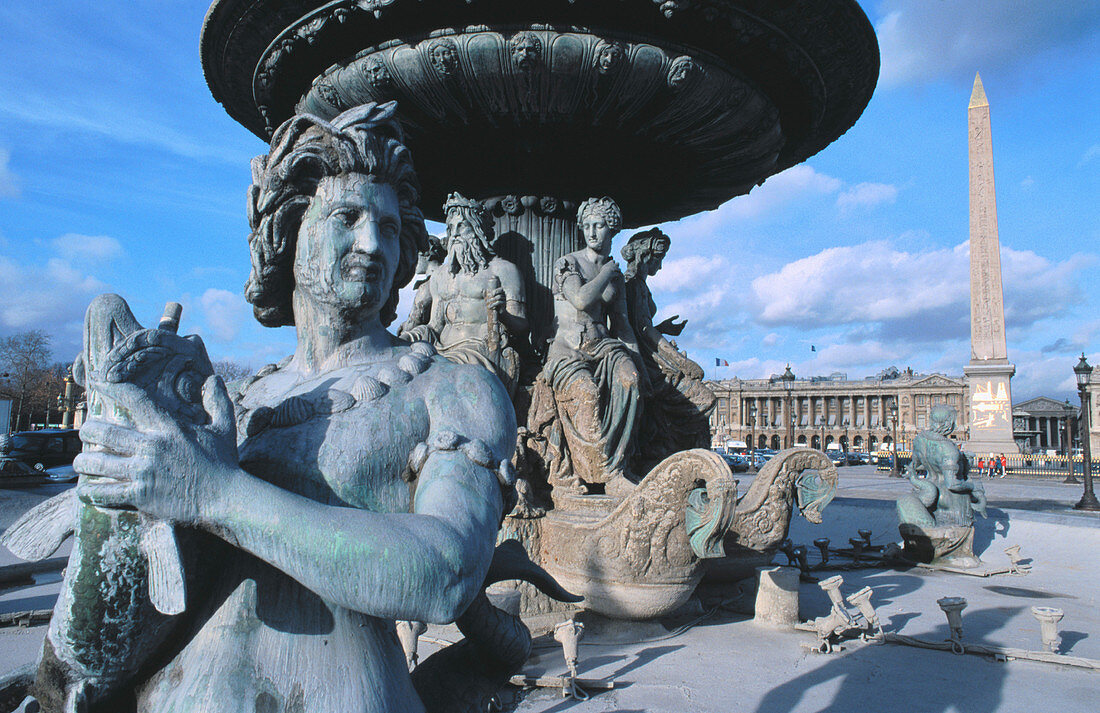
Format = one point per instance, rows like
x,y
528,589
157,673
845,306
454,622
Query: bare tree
x,y
230,370
25,360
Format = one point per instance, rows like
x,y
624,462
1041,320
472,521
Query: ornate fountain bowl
x,y
694,101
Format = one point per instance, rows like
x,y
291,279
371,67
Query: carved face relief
x,y
349,244
444,56
526,50
376,73
609,57
681,72
597,233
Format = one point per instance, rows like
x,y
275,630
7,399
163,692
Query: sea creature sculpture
x,y
800,477
125,581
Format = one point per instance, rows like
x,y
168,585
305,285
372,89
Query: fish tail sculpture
x,y
125,582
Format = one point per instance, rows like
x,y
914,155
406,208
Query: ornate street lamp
x,y
788,384
1068,449
1083,371
752,437
894,444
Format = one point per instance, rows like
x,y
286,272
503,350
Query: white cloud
x,y
1041,375
51,297
922,41
770,340
920,295
684,272
9,182
84,248
225,313
1090,153
866,195
798,183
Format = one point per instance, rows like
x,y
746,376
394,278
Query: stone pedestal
x,y
776,596
951,545
990,395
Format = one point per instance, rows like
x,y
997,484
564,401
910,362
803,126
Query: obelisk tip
x,y
977,97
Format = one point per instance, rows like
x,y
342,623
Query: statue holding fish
x,y
262,537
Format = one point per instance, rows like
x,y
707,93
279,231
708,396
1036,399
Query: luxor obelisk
x,y
989,372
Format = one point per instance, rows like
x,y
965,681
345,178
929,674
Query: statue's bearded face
x,y
349,244
466,245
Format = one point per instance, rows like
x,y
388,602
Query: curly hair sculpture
x,y
605,208
304,150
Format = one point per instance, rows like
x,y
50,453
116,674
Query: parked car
x,y
15,473
853,458
61,474
47,448
736,463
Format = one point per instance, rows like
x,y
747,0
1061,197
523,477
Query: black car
x,y
46,448
15,473
737,464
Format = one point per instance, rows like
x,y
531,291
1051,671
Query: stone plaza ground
x,y
715,659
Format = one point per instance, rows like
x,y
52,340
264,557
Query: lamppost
x,y
752,437
788,384
1083,372
894,443
1068,448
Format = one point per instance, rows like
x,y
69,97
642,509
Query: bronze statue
x,y
360,481
937,519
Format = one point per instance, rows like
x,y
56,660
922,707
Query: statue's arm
x,y
621,328
514,315
584,296
421,311
421,566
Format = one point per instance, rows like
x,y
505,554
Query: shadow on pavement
x,y
942,682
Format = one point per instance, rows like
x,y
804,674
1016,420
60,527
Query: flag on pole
x,y
720,362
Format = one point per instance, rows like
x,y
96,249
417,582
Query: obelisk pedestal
x,y
989,371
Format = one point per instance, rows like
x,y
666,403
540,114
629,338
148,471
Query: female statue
x,y
678,405
592,364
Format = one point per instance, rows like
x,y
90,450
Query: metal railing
x,y
1039,466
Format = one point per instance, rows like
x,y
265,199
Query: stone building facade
x,y
853,414
1043,424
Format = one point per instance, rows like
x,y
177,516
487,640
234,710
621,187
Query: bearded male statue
x,y
474,300
360,481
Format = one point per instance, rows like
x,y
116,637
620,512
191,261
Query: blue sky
x,y
119,172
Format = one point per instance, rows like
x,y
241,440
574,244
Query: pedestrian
x,y
990,467
1004,465
981,467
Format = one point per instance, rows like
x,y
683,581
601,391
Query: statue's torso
x,y
461,297
262,640
577,328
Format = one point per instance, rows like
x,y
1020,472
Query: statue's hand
x,y
670,327
495,299
167,469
